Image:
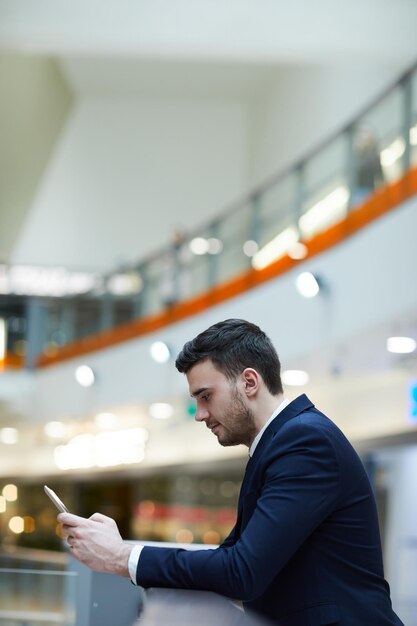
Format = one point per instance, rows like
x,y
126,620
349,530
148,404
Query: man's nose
x,y
201,414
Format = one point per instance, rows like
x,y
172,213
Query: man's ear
x,y
251,381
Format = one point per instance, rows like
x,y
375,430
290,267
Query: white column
x,y
401,533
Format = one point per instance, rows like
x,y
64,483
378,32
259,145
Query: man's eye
x,y
205,398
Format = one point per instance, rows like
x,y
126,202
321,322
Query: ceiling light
x,y
298,251
401,345
215,246
126,284
81,282
17,524
250,247
393,152
295,378
413,135
3,504
121,447
55,430
275,249
43,281
307,285
160,352
9,436
161,410
77,453
105,420
325,212
85,376
199,246
10,493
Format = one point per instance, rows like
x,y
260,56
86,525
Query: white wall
x,y
34,104
126,171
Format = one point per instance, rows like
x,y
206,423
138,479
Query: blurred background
x,y
165,165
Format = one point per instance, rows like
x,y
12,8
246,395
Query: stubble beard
x,y
241,428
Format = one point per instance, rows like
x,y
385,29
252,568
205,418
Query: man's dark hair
x,y
232,346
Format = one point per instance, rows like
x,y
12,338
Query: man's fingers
x,y
69,519
99,517
70,523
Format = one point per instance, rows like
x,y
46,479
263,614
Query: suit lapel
x,y
297,406
294,408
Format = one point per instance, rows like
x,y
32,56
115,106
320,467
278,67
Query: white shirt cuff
x,y
133,562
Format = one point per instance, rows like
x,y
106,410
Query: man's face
x,y
221,404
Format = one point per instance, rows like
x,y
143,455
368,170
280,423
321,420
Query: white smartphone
x,y
58,503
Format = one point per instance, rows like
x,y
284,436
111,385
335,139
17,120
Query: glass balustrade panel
x,y
228,256
413,129
37,597
197,276
276,220
325,188
379,143
277,205
160,292
88,317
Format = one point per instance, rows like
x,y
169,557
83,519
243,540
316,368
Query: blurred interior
x,y
164,170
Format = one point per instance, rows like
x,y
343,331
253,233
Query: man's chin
x,y
223,438
226,443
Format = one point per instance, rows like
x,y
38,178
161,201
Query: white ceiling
x,y
195,47
223,48
268,31
158,78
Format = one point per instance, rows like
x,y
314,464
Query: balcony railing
x,y
30,597
46,309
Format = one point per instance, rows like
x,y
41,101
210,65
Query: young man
x,y
306,547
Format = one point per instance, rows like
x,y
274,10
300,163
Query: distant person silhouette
x,y
368,173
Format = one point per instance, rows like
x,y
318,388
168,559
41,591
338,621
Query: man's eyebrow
x,y
198,392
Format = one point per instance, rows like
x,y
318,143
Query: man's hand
x,y
96,542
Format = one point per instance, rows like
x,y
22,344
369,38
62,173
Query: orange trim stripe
x,y
383,201
11,361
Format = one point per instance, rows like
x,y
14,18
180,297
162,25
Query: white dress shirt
x,y
257,439
136,550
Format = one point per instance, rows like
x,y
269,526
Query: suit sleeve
x,y
299,489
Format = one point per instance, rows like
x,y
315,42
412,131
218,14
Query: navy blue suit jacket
x,y
305,550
